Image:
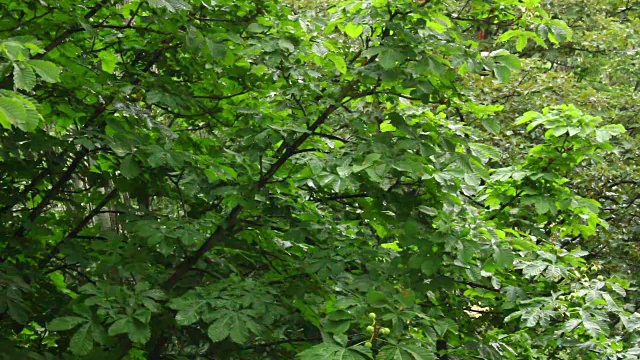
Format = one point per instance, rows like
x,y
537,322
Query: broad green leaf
x,y
521,42
391,353
219,330
503,73
82,342
171,5
418,353
108,60
544,205
431,265
189,307
120,326
390,58
23,76
328,351
239,333
139,332
376,298
47,70
503,258
534,268
14,111
257,28
65,323
353,30
217,50
338,61
508,35
129,167
286,45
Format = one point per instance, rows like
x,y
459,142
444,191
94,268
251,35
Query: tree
x,y
243,179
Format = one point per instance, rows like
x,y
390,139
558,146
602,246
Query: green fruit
x,y
372,316
562,297
370,329
600,277
385,331
368,344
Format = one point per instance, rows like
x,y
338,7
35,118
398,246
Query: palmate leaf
x,y
189,308
235,325
329,351
392,353
138,331
418,353
405,352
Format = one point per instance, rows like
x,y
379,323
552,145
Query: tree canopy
x,y
371,179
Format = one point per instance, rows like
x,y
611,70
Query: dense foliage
x,y
191,179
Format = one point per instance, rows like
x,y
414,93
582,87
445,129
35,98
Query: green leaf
x,y
219,330
47,70
503,73
504,258
139,332
23,76
319,49
592,327
390,58
386,126
521,42
508,35
217,50
376,298
431,265
544,205
65,323
329,351
108,59
445,325
419,353
13,111
239,333
338,61
257,28
81,342
121,326
129,167
391,353
353,30
534,268
171,5
189,307
286,45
